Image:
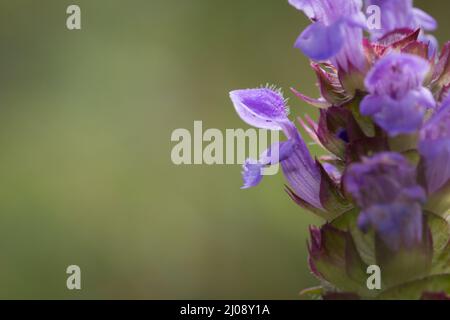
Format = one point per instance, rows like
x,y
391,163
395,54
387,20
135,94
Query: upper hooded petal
x,y
262,108
320,42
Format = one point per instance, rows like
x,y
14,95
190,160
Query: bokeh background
x,y
86,176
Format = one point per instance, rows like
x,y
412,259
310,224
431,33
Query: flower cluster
x,y
383,187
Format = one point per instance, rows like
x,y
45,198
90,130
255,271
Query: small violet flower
x,y
386,189
336,33
266,109
401,14
398,101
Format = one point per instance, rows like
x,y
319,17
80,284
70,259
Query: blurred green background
x,y
86,176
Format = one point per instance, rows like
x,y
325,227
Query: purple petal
x,y
252,170
395,14
424,20
424,97
396,74
371,104
395,116
435,148
399,225
320,42
400,14
336,34
398,100
437,163
251,174
384,178
262,108
386,189
303,175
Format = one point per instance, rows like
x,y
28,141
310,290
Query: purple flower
x,y
398,101
400,14
398,224
266,108
435,148
386,189
336,33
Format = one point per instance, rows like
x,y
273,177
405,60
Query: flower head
x,y
384,125
336,33
400,14
386,189
398,100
